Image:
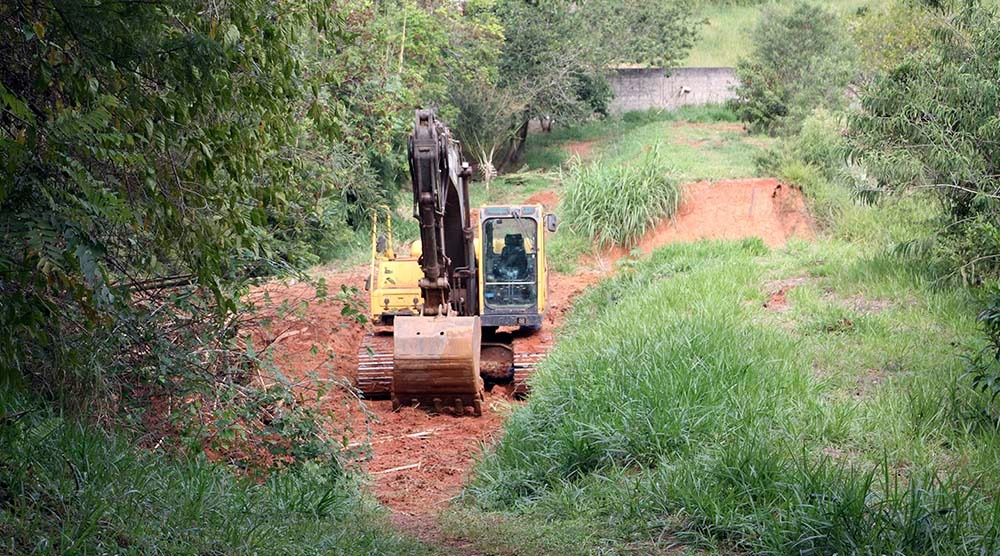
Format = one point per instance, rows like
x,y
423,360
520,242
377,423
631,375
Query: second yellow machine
x,y
463,311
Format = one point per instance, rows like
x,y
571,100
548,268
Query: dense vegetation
x,y
615,204
160,158
679,410
801,60
68,488
922,135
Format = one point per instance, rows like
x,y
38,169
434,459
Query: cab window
x,y
510,262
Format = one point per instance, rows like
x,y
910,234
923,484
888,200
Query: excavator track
x,y
375,365
375,362
529,350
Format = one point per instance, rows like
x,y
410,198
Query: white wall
x,y
644,88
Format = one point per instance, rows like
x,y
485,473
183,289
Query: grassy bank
x,y
726,30
725,397
678,409
66,488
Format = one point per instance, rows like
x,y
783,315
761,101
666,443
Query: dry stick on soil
x,y
379,440
400,468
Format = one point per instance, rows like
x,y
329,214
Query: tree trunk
x,y
516,150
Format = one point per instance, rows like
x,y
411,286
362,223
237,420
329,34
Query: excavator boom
x,y
436,353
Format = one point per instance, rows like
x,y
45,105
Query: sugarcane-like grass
x,y
615,204
677,409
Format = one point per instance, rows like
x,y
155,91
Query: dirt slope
x,y
735,209
730,209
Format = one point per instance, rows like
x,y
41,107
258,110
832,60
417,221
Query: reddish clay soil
x,y
547,199
731,209
582,149
735,209
777,299
418,461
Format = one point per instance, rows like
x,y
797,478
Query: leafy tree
x,y
156,156
933,122
487,120
887,34
555,52
800,60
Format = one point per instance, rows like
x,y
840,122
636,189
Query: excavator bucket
x,y
436,362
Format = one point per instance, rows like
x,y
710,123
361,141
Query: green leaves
x,y
930,122
551,49
800,61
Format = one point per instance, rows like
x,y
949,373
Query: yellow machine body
x,y
393,280
534,248
441,361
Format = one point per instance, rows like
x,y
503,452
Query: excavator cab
x,y
512,266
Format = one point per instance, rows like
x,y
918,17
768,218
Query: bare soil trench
x,y
419,462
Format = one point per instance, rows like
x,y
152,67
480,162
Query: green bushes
x,y
617,203
984,364
800,60
930,124
66,488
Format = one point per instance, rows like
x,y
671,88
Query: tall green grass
x,y
66,488
725,34
615,204
676,409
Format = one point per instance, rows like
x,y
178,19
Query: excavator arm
x,y
440,181
436,354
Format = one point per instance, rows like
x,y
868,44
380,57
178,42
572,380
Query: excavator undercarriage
x,y
506,360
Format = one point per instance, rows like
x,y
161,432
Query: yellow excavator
x,y
456,316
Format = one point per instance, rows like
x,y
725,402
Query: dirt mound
x,y
731,209
582,149
735,209
547,199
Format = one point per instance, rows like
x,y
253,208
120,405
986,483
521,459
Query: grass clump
x,y
617,203
68,488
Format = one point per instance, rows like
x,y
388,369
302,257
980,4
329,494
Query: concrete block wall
x,y
645,88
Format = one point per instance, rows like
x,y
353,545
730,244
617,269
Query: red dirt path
x,y
418,461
